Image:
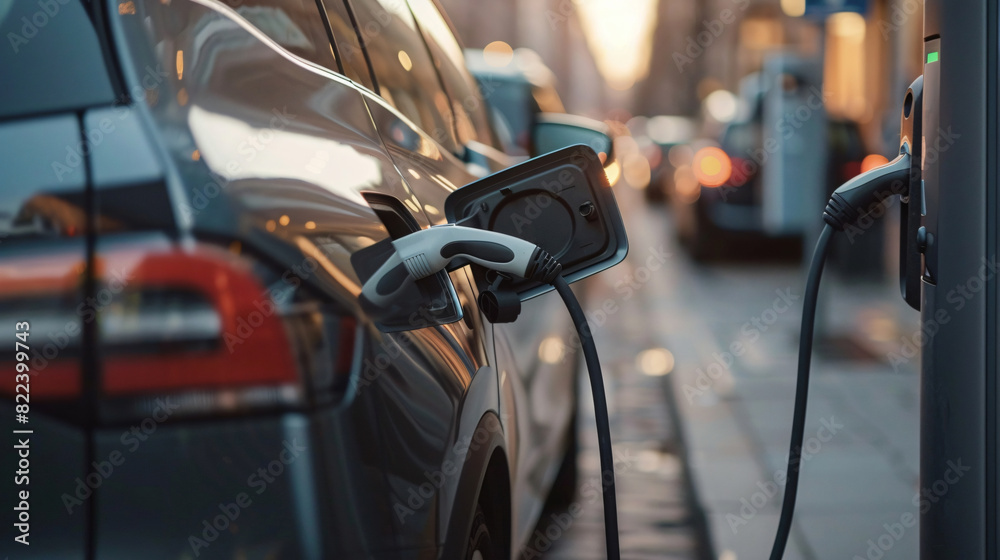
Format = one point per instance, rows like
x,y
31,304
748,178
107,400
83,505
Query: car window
x,y
352,57
403,67
471,117
296,25
54,59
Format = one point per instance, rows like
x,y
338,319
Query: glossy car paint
x,y
232,142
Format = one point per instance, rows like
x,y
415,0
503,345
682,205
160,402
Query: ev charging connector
x,y
448,247
859,196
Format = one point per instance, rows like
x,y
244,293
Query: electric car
x,y
527,113
729,214
185,183
663,140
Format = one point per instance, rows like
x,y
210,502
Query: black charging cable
x,y
600,412
853,200
801,391
424,253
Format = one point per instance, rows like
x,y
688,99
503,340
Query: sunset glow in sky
x,y
619,33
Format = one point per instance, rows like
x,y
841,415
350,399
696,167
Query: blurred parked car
x,y
517,92
523,100
719,190
665,142
184,187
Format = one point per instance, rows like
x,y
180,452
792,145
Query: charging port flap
x,y
561,202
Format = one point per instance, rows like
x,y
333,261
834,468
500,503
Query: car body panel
x,y
306,152
42,265
537,427
232,144
57,457
537,358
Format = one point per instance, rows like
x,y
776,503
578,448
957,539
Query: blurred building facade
x,y
868,60
698,46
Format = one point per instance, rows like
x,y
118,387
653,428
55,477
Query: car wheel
x,y
481,546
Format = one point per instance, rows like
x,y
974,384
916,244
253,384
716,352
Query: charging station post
x,y
959,362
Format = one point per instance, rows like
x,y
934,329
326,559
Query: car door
x,y
534,354
540,396
415,120
272,156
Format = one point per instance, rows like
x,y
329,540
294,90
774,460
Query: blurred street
x,y
860,465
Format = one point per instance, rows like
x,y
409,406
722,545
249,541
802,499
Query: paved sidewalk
x,y
733,331
857,488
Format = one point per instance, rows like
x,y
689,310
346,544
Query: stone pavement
x,y
722,421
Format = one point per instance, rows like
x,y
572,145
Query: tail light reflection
x,y
213,331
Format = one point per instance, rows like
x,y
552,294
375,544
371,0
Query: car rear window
x,y
52,60
43,179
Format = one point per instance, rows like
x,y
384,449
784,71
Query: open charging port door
x,y
560,201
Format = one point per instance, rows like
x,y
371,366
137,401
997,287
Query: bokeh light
x,y
686,185
722,105
793,8
635,169
679,155
655,362
712,166
498,54
872,161
551,350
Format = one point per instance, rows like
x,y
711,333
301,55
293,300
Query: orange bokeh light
x,y
712,167
872,161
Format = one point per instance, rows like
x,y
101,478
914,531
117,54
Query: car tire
x,y
481,545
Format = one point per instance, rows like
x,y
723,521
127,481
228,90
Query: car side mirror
x,y
555,131
559,201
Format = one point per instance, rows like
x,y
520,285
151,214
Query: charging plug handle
x,y
428,251
862,194
425,252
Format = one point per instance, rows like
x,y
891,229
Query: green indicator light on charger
x,y
933,57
